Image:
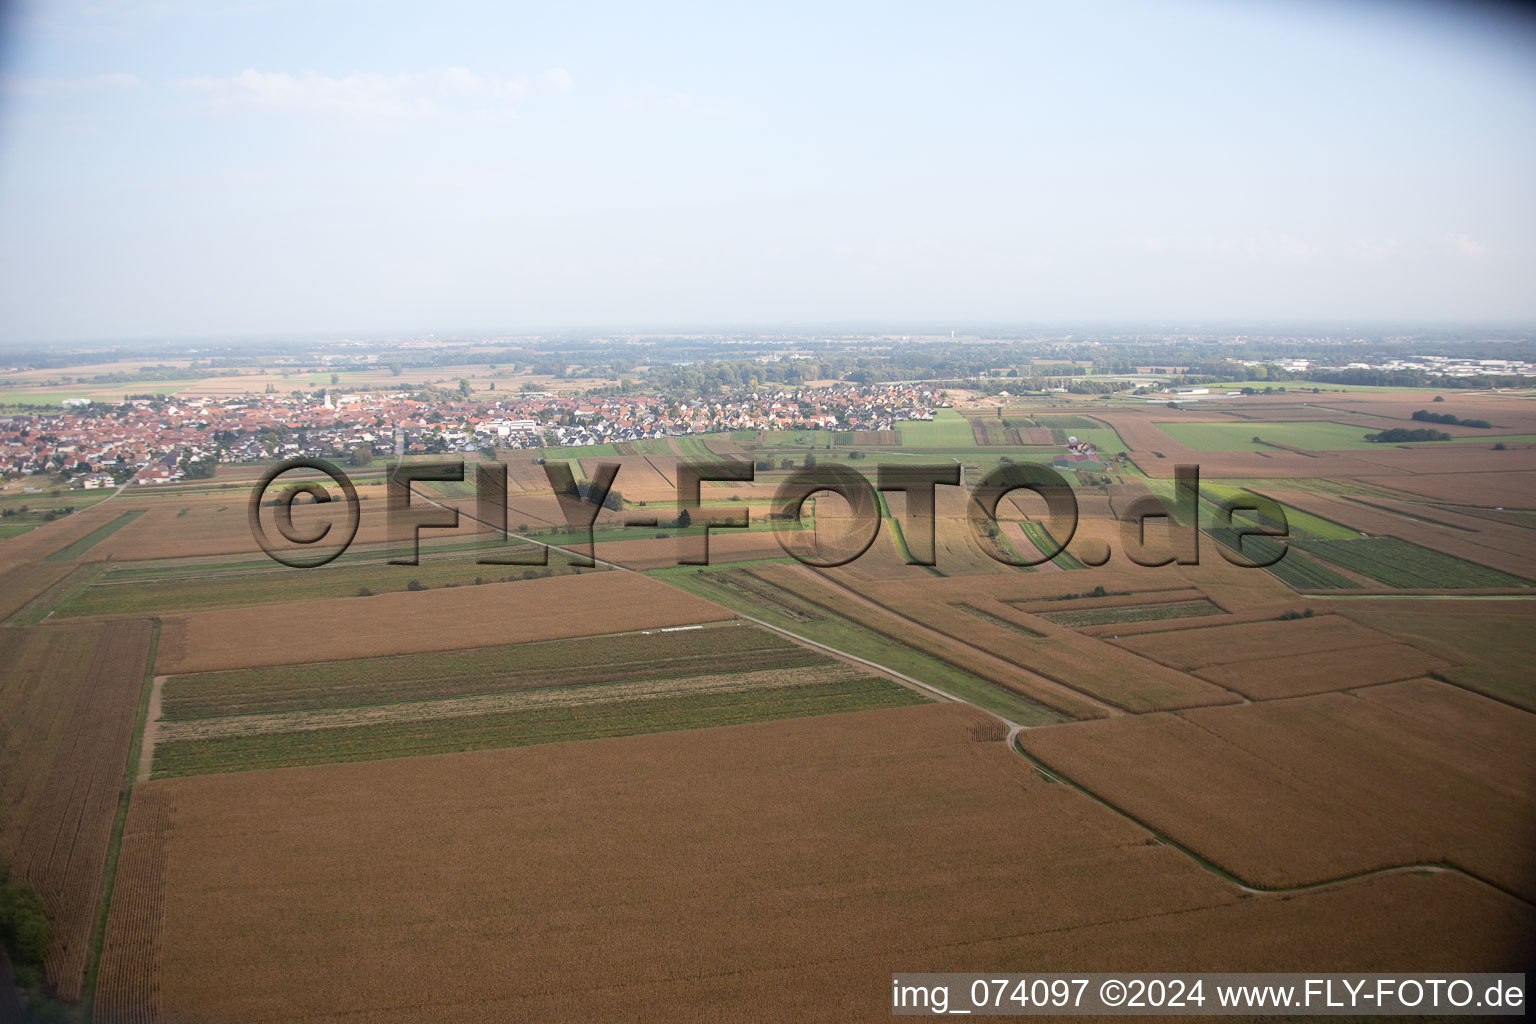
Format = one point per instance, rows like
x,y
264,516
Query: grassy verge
x,y
93,538
839,632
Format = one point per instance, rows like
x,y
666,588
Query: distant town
x,y
134,420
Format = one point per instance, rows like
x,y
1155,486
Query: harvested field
x,y
482,670
68,699
1506,490
1492,643
436,620
1322,671
38,543
22,583
1082,666
725,546
1415,772
1196,648
527,698
74,550
714,864
137,588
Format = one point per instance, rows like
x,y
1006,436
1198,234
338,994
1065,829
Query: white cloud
x,y
443,93
1465,245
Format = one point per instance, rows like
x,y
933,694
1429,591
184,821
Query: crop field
x,y
578,714
1297,675
1490,642
1295,569
131,590
560,607
1497,545
68,699
713,776
874,635
1087,669
1487,489
22,583
1196,648
1397,563
722,830
1133,613
506,667
947,429
1318,435
1410,773
77,548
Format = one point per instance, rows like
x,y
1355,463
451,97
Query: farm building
x,y
1077,460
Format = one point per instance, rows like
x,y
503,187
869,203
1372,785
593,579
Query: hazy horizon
x,y
179,171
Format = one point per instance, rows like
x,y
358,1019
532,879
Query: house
x,y
94,481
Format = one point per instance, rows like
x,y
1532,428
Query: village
x,y
165,439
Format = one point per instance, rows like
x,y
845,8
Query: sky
x,y
217,168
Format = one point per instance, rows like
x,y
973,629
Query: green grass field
x,y
1322,436
947,429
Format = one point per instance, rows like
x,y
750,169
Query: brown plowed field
x,y
42,541
726,874
1319,672
1505,490
1492,643
434,620
68,697
1297,791
1062,656
1196,648
22,583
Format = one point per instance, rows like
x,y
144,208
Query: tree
x,y
684,520
23,922
394,369
361,456
464,388
335,378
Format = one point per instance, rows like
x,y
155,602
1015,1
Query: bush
x,y
1398,435
415,585
364,592
23,922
